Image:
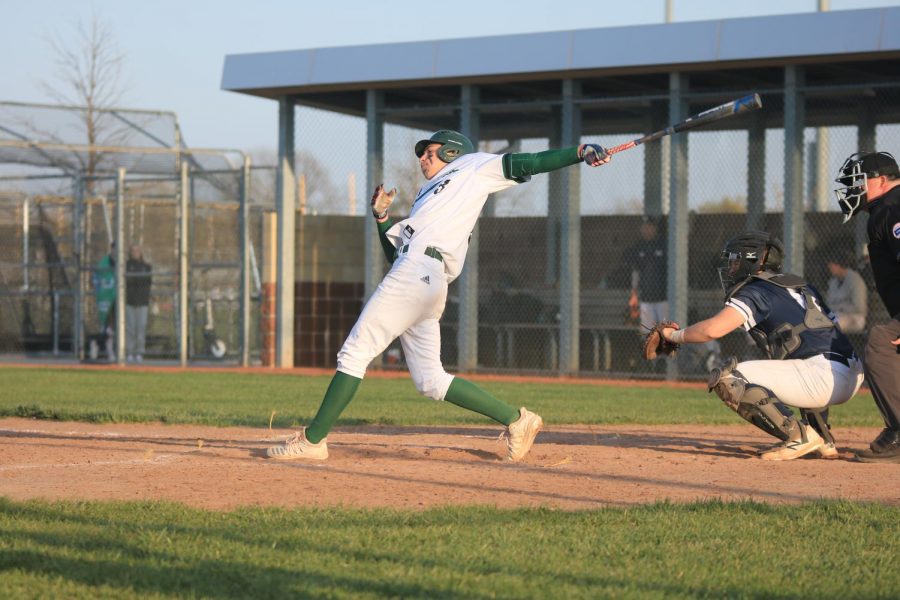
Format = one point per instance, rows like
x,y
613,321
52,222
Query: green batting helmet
x,y
453,145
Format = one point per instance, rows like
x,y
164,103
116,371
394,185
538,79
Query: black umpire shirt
x,y
884,248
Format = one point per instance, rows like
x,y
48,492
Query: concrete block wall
x,y
329,292
324,315
330,248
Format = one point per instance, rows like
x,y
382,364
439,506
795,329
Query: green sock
x,y
468,395
340,393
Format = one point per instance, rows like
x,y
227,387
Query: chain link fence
x,y
735,181
70,211
59,207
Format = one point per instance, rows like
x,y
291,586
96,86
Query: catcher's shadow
x,y
655,441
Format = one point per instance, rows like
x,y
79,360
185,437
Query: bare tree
x,y
405,174
321,192
407,178
89,74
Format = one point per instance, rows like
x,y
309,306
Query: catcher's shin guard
x,y
754,403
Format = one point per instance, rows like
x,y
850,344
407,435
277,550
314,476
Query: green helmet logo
x,y
453,145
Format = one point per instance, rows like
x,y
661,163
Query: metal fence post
x,y
26,252
120,267
245,262
655,165
756,172
467,333
183,273
679,225
55,307
286,206
570,236
794,213
78,246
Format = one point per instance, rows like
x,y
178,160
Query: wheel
x,y
217,348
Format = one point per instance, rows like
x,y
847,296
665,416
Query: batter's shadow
x,y
376,450
684,444
745,447
363,450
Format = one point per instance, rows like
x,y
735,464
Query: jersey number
x,y
439,188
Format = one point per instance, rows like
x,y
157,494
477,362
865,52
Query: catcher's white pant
x,y
814,382
408,304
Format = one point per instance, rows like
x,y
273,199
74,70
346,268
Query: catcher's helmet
x,y
854,175
746,255
453,145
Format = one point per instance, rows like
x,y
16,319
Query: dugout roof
x,y
848,56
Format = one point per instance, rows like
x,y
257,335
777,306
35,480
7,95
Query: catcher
x,y
811,364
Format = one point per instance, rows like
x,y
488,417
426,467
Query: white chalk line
x,y
111,434
156,459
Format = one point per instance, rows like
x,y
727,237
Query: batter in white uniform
x,y
811,364
427,251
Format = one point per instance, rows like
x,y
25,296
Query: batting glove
x,y
593,155
381,201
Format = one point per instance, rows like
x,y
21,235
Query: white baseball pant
x,y
408,304
814,382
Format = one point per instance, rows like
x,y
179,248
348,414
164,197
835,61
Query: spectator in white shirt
x,y
847,295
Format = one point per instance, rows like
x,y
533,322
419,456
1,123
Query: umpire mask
x,y
854,175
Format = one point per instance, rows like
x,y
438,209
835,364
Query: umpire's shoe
x,y
885,448
297,446
521,433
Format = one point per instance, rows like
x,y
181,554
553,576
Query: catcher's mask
x,y
453,145
746,255
854,176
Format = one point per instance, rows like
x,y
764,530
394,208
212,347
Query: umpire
x,y
871,182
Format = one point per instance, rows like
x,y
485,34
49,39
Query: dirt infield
x,y
570,467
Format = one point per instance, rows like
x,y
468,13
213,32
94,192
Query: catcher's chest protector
x,y
785,339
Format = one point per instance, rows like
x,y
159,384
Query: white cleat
x,y
828,451
521,433
297,446
796,448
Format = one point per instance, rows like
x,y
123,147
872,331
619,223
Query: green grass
x,y
229,398
743,550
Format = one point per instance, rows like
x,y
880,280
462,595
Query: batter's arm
x,y
386,245
520,166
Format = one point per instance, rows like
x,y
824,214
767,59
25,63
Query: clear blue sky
x,y
174,49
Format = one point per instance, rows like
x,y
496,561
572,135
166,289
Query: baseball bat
x,y
729,109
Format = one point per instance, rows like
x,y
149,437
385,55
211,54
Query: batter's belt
x,y
429,251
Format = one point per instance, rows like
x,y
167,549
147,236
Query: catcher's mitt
x,y
655,344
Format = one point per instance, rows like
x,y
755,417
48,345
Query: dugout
x,y
826,94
